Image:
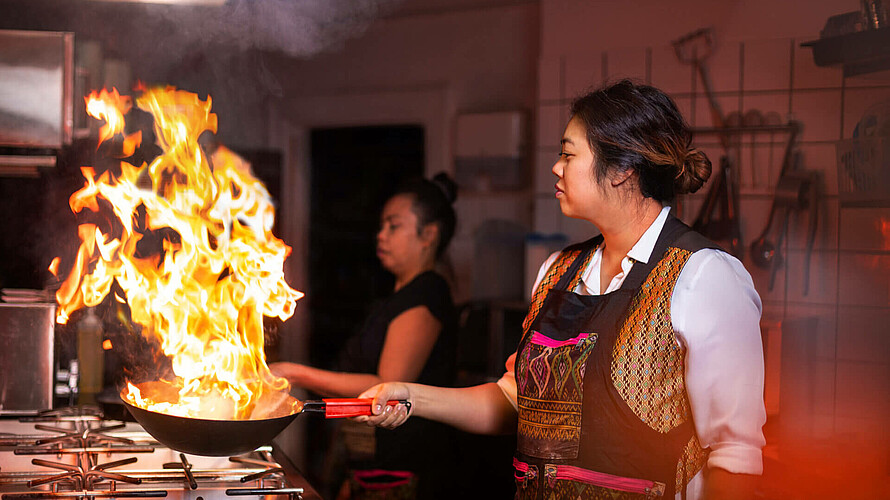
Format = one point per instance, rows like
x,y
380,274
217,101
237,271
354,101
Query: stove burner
x,y
186,468
81,434
86,412
78,439
85,475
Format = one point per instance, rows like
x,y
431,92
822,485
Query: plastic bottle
x,y
90,356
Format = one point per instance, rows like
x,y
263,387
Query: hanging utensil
x,y
694,49
795,192
723,195
763,251
753,118
771,119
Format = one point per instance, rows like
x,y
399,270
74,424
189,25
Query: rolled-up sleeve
x,y
715,311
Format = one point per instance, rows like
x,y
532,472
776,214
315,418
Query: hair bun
x,y
694,172
447,185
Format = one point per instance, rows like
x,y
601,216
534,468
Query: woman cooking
x,y
410,336
640,370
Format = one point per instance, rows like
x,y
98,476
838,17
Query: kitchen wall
x,y
424,66
836,385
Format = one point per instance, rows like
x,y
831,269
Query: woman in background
x,y
640,369
410,336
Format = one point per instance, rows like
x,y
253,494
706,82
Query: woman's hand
x,y
385,415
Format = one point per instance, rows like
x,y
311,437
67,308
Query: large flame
x,y
217,270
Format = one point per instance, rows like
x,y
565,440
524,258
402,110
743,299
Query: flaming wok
x,y
199,436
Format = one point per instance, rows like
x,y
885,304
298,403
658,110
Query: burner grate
x,y
76,455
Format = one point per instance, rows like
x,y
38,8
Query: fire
x,y
216,269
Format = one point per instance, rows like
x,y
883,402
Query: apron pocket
x,y
550,383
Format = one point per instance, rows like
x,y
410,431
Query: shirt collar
x,y
642,250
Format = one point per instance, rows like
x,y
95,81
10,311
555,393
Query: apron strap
x,y
582,252
588,247
674,228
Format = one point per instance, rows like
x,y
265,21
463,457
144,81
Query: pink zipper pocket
x,y
524,472
651,489
540,339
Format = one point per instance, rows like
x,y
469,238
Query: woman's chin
x,y
386,262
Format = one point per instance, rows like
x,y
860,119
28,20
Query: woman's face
x,y
400,245
577,190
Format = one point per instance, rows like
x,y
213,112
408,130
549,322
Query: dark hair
x,y
431,203
633,126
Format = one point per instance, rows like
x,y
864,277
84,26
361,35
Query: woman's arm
x,y
481,409
410,338
723,485
716,312
324,382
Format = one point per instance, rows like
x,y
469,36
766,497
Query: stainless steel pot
x,y
26,357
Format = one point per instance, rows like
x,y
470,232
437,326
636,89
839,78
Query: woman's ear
x,y
619,178
429,234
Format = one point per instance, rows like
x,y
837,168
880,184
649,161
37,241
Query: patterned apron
x,y
602,405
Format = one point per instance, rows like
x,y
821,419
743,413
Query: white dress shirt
x,y
715,312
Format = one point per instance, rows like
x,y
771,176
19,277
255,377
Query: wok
x,y
219,438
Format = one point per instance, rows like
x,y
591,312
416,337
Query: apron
x,y
577,436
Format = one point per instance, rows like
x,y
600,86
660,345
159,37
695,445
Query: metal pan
x,y
221,438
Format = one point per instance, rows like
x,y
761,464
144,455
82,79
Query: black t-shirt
x,y
428,289
425,447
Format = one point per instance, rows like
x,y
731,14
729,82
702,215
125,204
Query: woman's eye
x,y
563,154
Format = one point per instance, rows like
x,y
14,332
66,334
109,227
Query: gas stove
x,y
72,453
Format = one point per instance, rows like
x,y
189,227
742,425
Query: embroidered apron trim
x,y
647,362
692,460
554,376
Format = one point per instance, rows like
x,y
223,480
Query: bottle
x,y
90,356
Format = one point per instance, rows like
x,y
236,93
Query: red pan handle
x,y
354,407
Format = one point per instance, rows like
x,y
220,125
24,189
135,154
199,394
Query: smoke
x,y
221,50
297,28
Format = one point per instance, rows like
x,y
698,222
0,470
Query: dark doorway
x,y
354,171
